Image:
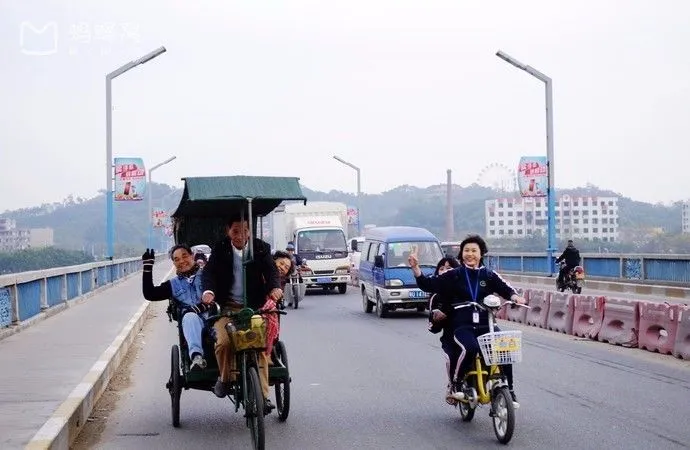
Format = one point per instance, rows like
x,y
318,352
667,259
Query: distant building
x,y
12,238
685,220
40,237
584,218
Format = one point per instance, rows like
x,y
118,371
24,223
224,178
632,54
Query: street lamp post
x,y
109,194
551,190
359,191
150,221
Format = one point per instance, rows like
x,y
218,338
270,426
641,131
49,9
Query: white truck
x,y
319,232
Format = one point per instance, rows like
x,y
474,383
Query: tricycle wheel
x,y
282,388
175,385
254,408
503,415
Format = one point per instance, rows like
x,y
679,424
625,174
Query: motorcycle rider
x,y
472,281
571,256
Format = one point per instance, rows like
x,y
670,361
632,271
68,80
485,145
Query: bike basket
x,y
501,347
252,338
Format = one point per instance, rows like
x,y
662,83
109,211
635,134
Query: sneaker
x,y
449,395
198,362
516,405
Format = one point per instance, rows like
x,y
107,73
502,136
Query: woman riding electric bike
x,y
471,281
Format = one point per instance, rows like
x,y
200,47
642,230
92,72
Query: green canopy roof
x,y
208,202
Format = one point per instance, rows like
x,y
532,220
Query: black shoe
x,y
268,406
222,389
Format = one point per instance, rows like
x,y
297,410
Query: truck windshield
x,y
428,253
321,241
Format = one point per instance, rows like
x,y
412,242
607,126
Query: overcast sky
x,y
403,89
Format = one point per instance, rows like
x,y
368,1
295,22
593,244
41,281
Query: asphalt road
x,y
360,382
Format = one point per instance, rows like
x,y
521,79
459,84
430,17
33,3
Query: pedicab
x,y
206,205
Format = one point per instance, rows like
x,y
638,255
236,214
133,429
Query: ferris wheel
x,y
498,177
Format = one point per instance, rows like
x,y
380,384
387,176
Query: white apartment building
x,y
13,238
583,218
686,217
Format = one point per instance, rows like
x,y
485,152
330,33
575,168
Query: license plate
x,y
323,280
417,294
506,344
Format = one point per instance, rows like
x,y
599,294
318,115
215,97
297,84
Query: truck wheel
x,y
342,288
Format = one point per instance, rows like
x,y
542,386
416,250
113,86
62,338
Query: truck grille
x,y
323,272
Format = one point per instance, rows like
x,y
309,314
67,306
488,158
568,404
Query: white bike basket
x,y
501,347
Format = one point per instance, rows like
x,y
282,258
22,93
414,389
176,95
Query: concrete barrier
x,y
588,315
29,297
621,323
538,313
560,313
658,326
681,348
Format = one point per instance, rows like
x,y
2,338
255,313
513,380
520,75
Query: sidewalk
x,y
40,366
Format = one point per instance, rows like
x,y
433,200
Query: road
x,y
370,383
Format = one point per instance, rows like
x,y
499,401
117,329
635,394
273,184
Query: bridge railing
x,y
641,268
25,295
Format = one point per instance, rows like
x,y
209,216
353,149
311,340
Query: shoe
x,y
449,395
198,362
268,406
222,389
516,405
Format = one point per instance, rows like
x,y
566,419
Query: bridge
x,y
85,359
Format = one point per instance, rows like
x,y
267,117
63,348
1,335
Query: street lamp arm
x,y
132,64
339,159
529,69
162,163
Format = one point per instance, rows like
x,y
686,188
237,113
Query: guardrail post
x,y
44,293
14,299
643,274
79,288
621,268
64,293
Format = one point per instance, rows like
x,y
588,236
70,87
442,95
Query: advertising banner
x,y
533,176
130,179
160,218
352,215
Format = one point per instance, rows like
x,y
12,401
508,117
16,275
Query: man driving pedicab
x,y
224,284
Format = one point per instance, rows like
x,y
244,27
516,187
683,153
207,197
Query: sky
x,y
402,89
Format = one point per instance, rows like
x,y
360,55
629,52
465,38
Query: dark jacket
x,y
571,255
446,325
262,274
453,287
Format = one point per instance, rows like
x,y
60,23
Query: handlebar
x,y
484,307
232,314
